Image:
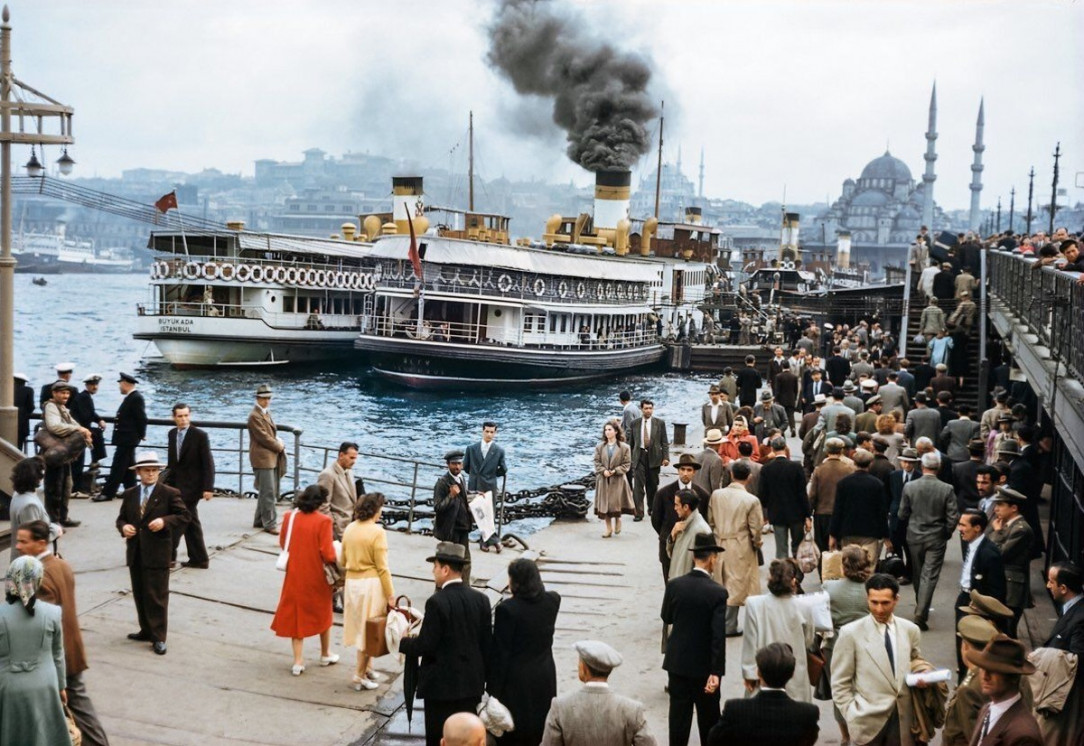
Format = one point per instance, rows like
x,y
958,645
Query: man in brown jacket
x,y
58,587
265,450
822,489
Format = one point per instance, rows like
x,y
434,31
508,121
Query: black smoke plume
x,y
599,93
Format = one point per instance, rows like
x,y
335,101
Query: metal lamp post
x,y
32,114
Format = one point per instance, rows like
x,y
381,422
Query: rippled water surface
x,y
548,435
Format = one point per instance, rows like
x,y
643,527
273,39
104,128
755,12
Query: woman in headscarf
x,y
739,431
32,677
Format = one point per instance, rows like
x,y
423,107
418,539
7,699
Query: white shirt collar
x,y
596,685
265,410
453,581
1069,604
701,569
997,709
44,554
771,689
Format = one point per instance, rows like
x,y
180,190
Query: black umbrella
x,y
410,684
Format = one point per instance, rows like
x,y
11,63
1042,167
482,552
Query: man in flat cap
x,y
1005,720
594,715
59,422
962,709
1013,536
695,607
453,645
63,373
83,410
267,456
129,430
452,519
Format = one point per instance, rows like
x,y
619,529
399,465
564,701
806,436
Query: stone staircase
x,y
969,394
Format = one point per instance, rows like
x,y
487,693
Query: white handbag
x,y
284,555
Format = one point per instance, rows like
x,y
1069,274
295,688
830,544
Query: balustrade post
x,y
413,494
297,460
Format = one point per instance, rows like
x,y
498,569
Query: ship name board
x,y
168,325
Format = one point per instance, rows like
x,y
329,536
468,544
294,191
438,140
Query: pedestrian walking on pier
x,y
129,430
192,471
26,505
613,460
650,452
267,455
368,591
24,403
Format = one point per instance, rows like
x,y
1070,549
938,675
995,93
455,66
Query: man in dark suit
x,y
24,402
816,385
923,374
82,407
748,382
860,515
786,502
1002,663
983,570
663,514
770,717
650,452
897,528
695,607
129,430
63,373
192,471
484,461
964,473
149,513
837,367
786,393
452,519
453,645
1065,581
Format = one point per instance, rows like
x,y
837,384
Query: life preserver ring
x,y
154,271
243,273
562,289
504,283
191,271
257,273
322,278
539,286
581,289
289,275
210,271
368,282
340,280
599,290
610,291
225,272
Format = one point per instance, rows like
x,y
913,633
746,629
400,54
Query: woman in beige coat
x,y
613,495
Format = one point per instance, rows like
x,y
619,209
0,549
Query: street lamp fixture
x,y
65,163
34,169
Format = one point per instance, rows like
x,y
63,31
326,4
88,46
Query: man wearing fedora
x,y
452,519
267,456
149,513
663,513
1004,720
453,645
1012,535
695,661
966,701
711,473
716,413
594,715
129,430
767,416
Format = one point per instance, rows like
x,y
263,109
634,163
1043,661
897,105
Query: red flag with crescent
x,y
166,202
412,254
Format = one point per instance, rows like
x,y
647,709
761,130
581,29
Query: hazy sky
x,y
800,94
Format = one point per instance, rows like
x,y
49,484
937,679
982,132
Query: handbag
x,y
334,575
808,554
376,643
284,555
815,665
57,450
406,623
494,715
74,733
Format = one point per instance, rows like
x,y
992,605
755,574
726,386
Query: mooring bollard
x,y
679,433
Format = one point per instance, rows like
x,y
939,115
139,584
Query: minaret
x,y
976,170
929,177
700,191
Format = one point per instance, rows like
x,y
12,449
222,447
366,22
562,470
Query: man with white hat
x,y
709,477
129,430
24,403
594,715
63,373
149,513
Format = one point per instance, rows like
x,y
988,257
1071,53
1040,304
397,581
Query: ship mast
x,y
658,172
470,162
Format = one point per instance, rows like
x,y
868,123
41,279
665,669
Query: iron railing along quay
x,y
1050,302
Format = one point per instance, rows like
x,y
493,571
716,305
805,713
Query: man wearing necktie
x,y
149,513
650,452
192,471
870,661
452,519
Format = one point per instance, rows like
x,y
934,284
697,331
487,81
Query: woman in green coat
x,y
32,679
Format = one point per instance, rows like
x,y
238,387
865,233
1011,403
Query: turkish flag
x,y
412,253
167,201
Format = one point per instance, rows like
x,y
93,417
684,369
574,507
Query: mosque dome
x,y
870,198
887,167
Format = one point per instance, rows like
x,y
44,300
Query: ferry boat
x,y
486,313
241,298
53,253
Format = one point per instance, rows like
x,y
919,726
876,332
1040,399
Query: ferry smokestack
x,y
694,215
788,241
843,250
408,198
612,190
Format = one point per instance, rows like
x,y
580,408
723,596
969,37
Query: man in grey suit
x,y
930,507
650,452
629,412
484,461
716,413
710,475
922,421
893,395
594,715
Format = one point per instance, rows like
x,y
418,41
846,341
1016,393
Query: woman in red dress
x,y
304,607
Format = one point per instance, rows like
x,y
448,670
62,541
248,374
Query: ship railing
x,y
313,320
1049,301
176,263
539,336
406,482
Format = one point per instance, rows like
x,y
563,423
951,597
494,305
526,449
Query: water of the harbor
x,y
549,436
